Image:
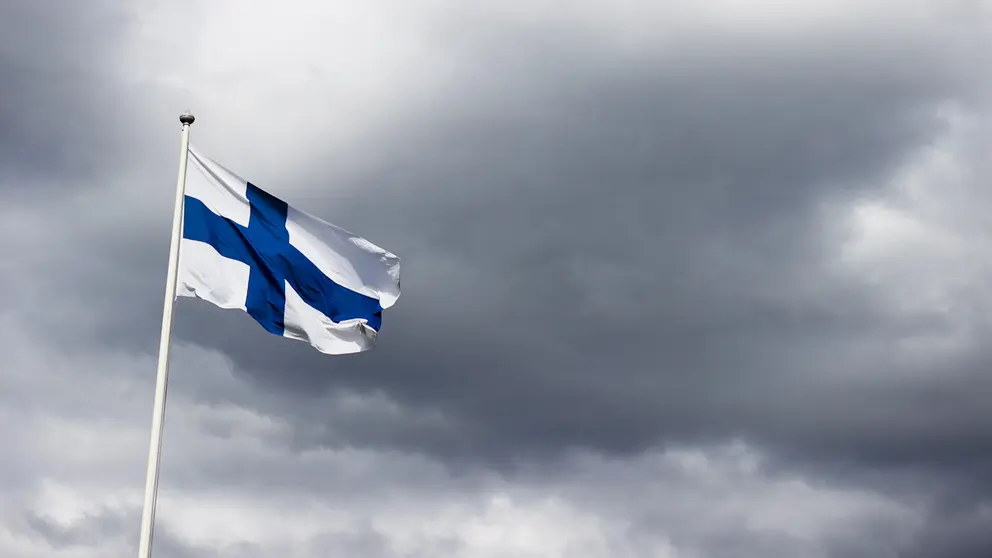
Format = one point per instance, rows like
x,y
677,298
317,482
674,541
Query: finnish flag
x,y
298,276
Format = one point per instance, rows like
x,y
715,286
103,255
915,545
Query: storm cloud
x,y
677,280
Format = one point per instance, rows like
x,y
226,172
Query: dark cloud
x,y
961,534
616,250
611,251
60,119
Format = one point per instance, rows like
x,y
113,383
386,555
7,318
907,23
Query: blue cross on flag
x,y
297,276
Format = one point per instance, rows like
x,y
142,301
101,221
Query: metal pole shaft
x,y
161,383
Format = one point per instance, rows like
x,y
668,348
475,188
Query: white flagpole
x,y
158,414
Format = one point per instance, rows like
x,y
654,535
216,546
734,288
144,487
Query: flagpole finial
x,y
186,118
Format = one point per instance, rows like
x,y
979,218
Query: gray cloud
x,y
608,248
624,251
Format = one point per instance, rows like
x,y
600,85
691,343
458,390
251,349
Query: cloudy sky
x,y
680,279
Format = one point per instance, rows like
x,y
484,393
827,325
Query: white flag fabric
x,y
296,275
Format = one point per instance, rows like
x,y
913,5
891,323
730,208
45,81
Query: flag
x,y
296,275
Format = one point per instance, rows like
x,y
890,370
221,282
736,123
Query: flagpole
x,y
161,383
